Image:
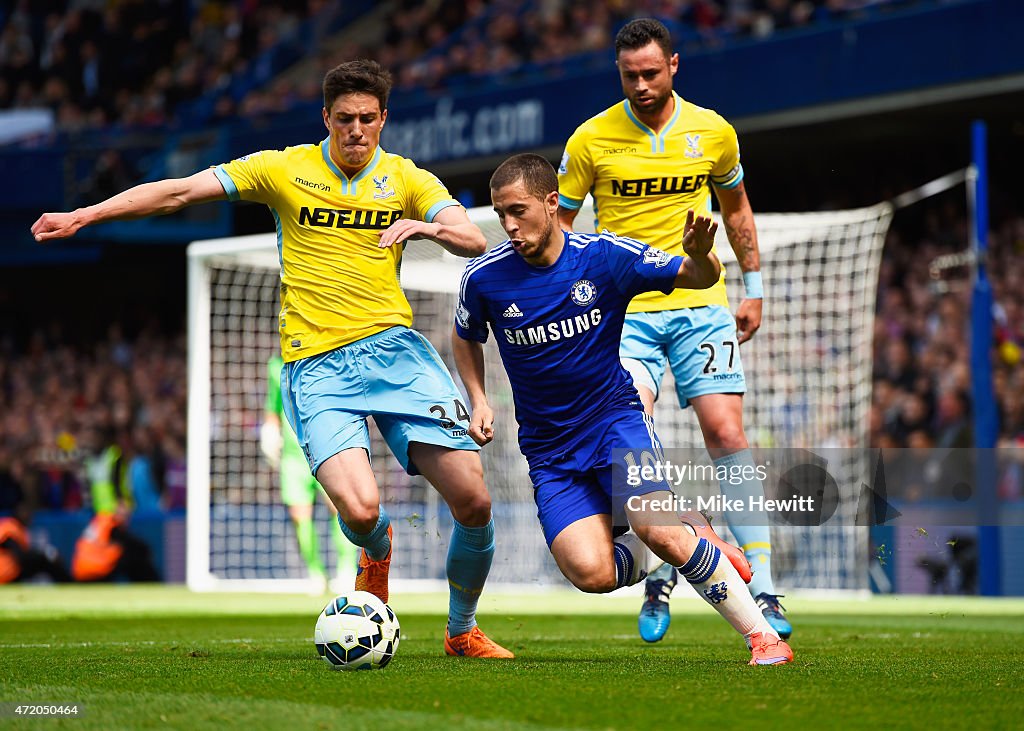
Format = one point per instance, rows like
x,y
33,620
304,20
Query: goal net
x,y
808,376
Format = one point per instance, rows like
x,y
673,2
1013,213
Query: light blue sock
x,y
751,531
469,561
761,562
376,542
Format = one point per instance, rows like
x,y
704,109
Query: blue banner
x,y
501,122
885,54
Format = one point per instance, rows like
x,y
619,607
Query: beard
x,y
544,240
657,103
540,243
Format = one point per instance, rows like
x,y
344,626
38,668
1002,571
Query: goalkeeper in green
x,y
298,487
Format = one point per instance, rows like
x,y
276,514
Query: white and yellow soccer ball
x,y
357,631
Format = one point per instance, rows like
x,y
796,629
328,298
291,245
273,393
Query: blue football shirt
x,y
558,328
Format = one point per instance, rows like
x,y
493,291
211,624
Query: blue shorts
x,y
395,376
585,480
699,344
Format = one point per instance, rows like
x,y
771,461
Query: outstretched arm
x,y
469,361
148,199
739,227
451,229
701,268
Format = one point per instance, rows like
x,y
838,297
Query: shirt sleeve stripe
x,y
731,180
627,244
225,180
631,240
437,208
580,241
569,203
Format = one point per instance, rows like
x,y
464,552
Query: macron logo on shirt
x,y
512,311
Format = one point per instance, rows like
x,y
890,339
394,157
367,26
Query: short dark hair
x,y
352,77
536,172
638,33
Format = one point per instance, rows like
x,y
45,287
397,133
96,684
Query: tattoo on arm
x,y
739,227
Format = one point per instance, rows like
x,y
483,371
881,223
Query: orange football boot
x,y
474,644
702,527
372,576
766,649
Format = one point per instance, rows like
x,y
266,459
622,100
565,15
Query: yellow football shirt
x,y
643,182
337,285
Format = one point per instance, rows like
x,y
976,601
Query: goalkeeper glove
x,y
270,443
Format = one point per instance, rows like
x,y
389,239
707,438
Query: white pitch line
x,y
196,644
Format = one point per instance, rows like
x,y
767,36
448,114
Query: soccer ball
x,y
356,631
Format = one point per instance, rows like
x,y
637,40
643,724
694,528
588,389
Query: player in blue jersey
x,y
556,302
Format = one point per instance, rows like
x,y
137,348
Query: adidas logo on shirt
x,y
512,311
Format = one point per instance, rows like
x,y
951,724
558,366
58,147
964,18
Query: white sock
x,y
633,560
716,580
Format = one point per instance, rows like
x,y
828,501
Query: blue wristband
x,y
752,284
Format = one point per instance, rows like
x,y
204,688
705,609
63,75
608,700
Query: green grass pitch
x,y
161,657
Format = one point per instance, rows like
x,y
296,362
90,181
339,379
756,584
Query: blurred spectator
x,y
108,551
19,560
106,469
952,427
175,472
12,475
110,176
144,463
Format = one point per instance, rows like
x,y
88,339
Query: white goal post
x,y
808,375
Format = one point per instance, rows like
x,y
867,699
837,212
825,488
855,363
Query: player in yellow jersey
x,y
344,210
647,161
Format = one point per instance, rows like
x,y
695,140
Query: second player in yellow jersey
x,y
644,181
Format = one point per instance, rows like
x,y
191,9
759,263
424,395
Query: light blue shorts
x,y
396,377
699,344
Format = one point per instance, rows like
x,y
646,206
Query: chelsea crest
x,y
583,292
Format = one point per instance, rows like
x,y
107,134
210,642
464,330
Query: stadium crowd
x,y
95,63
62,406
921,380
132,62
472,43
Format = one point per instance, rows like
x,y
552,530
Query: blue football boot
x,y
654,614
773,612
